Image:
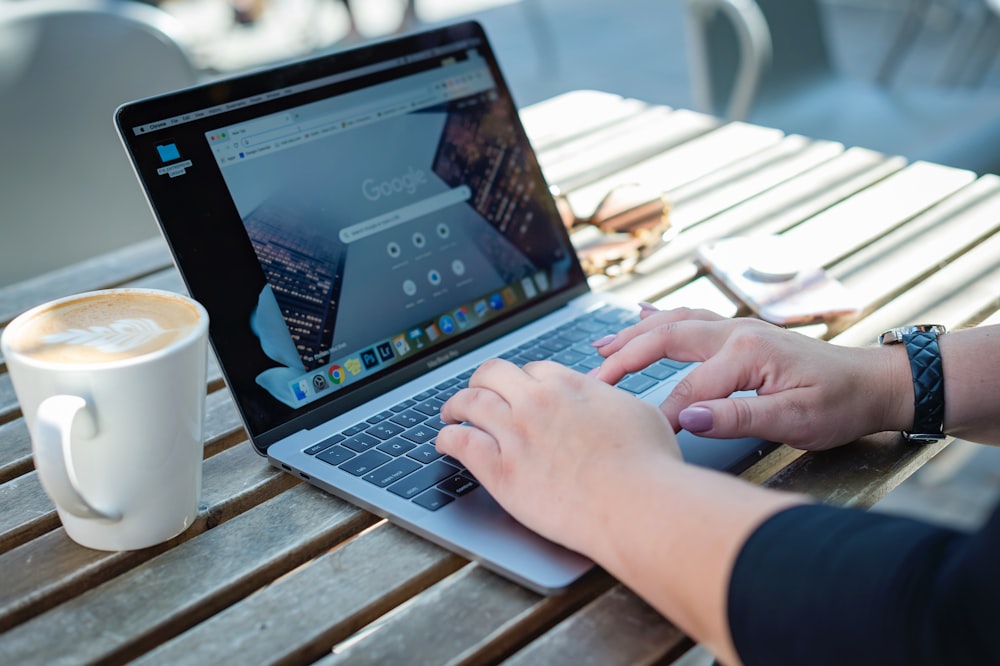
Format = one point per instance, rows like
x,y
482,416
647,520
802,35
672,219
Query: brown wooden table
x,y
275,570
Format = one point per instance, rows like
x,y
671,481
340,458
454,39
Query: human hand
x,y
550,445
810,394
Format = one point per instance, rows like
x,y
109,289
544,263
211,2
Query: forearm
x,y
673,535
971,360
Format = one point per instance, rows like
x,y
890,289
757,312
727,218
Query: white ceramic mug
x,y
112,387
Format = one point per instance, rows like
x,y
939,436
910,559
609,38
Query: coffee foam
x,y
101,328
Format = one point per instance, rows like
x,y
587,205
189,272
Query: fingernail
x,y
696,419
601,342
648,307
593,371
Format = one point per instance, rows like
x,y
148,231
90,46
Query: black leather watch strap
x,y
928,384
921,343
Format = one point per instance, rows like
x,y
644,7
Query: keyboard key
x,y
535,354
396,446
409,418
381,416
361,442
659,372
588,363
336,455
553,344
435,423
636,384
325,444
574,334
458,485
355,429
421,480
444,395
429,407
385,430
421,434
424,454
365,463
393,471
406,404
433,499
568,357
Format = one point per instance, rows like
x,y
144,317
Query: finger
x,y
650,319
715,379
475,405
780,417
477,449
496,374
681,340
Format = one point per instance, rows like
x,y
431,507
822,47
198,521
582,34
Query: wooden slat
x,y
598,635
706,197
573,114
681,165
961,293
185,584
54,568
863,218
472,617
300,617
856,475
603,153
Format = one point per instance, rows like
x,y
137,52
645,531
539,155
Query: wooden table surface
x,y
275,570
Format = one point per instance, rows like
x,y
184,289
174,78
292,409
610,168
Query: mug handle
x,y
53,456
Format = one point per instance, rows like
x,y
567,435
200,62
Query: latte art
x,y
104,327
118,337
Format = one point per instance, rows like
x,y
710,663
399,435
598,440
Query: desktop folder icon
x,y
168,152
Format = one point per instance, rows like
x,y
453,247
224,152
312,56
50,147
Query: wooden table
x,y
275,570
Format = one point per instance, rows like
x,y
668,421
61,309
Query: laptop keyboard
x,y
395,449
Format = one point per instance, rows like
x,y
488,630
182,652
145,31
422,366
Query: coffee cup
x,y
112,387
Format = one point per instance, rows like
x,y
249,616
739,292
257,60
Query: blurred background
x,y
920,78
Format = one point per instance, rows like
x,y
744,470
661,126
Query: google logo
x,y
336,373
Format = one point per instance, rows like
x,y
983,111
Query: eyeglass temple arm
x,y
754,42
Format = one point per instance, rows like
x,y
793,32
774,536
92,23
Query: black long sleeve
x,y
822,585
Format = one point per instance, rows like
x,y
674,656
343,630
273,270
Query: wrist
x,y
926,379
898,387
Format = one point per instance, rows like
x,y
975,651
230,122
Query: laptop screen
x,y
352,220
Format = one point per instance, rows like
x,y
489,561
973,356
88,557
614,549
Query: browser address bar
x,y
405,214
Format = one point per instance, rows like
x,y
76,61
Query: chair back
x,y
67,191
762,48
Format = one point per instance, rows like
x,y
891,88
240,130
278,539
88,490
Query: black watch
x,y
928,378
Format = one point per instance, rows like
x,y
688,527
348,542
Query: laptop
x,y
365,228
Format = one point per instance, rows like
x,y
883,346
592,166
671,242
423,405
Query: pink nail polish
x,y
601,342
696,419
648,307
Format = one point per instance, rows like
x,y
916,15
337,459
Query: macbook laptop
x,y
365,228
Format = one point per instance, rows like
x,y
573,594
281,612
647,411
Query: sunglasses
x,y
629,223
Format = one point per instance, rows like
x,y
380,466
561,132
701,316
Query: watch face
x,y
895,335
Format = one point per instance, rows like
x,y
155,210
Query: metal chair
x,y
67,191
768,62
